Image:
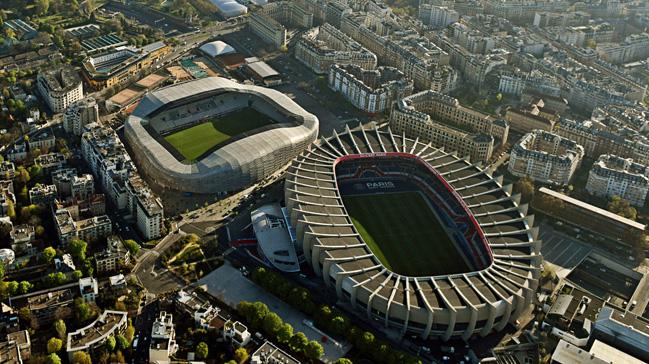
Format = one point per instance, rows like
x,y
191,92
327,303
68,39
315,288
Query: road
x,y
155,278
143,324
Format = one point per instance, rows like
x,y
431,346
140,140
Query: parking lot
x,y
564,253
230,286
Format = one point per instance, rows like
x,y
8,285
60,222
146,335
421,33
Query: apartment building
x,y
114,257
22,237
109,324
614,176
7,170
59,87
441,119
42,194
110,164
335,11
324,46
163,338
272,21
43,141
437,17
145,208
79,114
89,229
51,161
635,47
545,157
372,91
599,139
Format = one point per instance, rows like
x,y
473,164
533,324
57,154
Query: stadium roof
x,y
335,249
234,158
217,48
593,209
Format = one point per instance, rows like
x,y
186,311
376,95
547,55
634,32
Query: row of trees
x,y
259,317
330,319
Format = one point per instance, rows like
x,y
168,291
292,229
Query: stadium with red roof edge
x,y
413,236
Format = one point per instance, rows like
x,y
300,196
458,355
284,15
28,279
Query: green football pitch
x,y
198,139
404,233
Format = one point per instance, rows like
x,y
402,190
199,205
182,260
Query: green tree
x,y
13,288
343,361
202,350
22,175
52,359
81,357
241,355
622,207
11,210
60,328
130,332
298,342
48,254
42,6
110,344
82,310
272,324
132,246
525,186
313,350
122,343
54,345
25,287
366,343
285,332
78,248
76,275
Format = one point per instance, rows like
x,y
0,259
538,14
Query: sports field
x,y
193,142
404,233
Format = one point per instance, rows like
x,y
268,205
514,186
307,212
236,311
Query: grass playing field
x,y
404,233
193,142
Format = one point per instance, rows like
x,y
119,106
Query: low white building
x,y
88,288
163,339
108,324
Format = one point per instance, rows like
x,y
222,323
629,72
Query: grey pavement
x,y
565,254
230,286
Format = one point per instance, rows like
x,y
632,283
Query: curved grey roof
x,y
237,164
441,306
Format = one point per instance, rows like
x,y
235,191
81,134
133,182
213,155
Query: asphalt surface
x,y
564,253
143,324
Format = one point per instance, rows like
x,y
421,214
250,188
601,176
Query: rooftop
x,y
61,79
594,209
105,325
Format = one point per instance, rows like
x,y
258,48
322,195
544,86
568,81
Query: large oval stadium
x,y
214,135
411,235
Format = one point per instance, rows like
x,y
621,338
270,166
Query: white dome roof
x,y
229,8
217,48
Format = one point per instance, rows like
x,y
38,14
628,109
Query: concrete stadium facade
x,y
440,307
237,163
